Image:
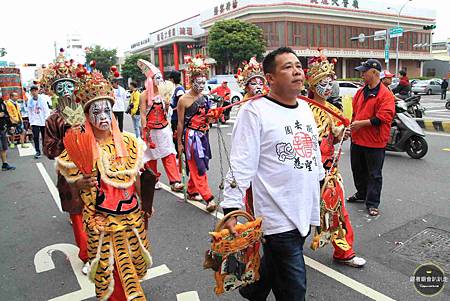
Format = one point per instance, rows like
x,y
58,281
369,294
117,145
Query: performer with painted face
x,y
60,78
192,131
154,105
251,78
103,165
320,77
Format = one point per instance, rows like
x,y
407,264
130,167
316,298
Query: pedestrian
x,y
386,80
175,77
38,111
444,87
23,108
156,128
17,120
373,112
320,77
4,124
109,188
133,108
121,99
193,133
224,92
275,146
60,78
404,87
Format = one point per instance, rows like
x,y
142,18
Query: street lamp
x,y
398,25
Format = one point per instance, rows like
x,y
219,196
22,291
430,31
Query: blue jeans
x,y
282,269
137,125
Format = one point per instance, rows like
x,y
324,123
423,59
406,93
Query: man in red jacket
x,y
373,111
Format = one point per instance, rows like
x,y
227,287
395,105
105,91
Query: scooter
x,y
447,104
406,134
414,107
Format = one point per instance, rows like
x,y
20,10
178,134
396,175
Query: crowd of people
x,y
283,156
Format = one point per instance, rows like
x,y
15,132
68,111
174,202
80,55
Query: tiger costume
x,y
123,244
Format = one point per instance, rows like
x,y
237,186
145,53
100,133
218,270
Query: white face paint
x,y
324,88
198,84
256,86
157,78
100,114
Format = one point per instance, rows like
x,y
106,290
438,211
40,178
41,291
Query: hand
x,y
86,182
180,147
356,125
347,133
149,215
230,224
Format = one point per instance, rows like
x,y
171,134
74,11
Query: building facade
x,y
304,25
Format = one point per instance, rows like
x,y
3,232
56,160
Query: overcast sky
x,y
29,27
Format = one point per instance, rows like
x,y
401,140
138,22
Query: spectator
x,y
120,96
23,108
373,111
16,119
134,108
386,80
38,111
444,87
175,77
268,150
4,123
224,92
404,87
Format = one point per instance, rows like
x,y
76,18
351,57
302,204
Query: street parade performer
x,y
193,131
154,105
60,78
275,147
103,165
335,221
251,78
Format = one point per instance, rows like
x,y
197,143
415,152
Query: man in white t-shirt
x,y
120,96
275,146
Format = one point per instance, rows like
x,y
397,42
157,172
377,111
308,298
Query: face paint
x,y
100,115
157,78
324,88
255,86
199,84
64,88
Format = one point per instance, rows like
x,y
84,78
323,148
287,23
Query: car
x,y
427,87
236,91
394,84
347,88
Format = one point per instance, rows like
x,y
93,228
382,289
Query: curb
x,y
434,125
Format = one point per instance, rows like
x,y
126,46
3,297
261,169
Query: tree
x,y
232,41
130,68
104,58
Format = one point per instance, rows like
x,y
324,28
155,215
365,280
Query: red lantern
x,y
116,74
92,63
113,68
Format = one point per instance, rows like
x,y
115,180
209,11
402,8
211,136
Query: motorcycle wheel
x,y
447,105
416,147
418,113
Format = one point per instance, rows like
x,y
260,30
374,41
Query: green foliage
x,y
233,41
130,69
104,58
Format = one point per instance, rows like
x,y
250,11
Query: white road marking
x,y
437,134
188,296
43,262
353,284
51,186
432,111
229,134
28,151
221,126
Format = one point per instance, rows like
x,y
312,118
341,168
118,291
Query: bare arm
x,y
180,125
143,108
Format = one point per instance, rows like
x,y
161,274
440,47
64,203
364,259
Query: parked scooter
x,y
447,104
413,106
406,134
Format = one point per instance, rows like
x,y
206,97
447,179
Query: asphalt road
x,y
435,107
413,228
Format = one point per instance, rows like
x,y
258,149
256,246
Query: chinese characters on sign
x,y
172,32
343,3
225,7
140,43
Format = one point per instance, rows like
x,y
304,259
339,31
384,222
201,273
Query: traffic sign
x,y
396,32
379,35
386,53
361,38
3,63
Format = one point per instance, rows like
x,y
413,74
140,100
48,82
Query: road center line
x,y
51,186
347,281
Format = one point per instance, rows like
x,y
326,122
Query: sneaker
x,y
177,187
211,206
356,262
6,166
158,185
37,155
355,199
195,197
25,145
12,145
85,268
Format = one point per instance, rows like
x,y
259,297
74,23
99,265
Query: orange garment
x,y
80,236
170,166
197,183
